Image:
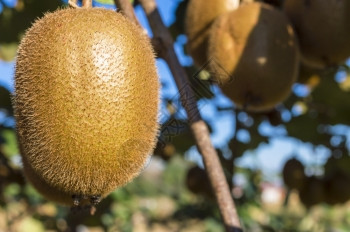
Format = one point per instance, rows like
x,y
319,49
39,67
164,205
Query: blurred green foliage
x,y
14,22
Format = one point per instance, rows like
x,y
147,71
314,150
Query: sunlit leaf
x,y
10,146
8,51
109,2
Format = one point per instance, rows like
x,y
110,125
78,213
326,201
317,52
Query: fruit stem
x,y
199,129
87,3
73,3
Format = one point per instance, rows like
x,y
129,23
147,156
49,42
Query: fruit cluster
x,y
331,188
255,50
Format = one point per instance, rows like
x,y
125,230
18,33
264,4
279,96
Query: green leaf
x,y
8,51
14,21
109,2
10,146
5,100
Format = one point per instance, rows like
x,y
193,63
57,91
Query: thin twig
x,y
198,126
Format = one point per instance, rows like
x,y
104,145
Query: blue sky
x,y
268,157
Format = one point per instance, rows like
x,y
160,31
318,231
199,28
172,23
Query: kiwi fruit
x,y
314,191
337,188
323,28
337,177
86,102
255,56
46,189
199,17
293,174
197,181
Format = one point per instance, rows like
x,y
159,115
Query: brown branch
x,y
127,9
199,129
157,47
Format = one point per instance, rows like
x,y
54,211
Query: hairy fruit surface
x,y
86,101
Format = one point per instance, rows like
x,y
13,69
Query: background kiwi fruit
x,y
255,56
200,15
84,122
323,28
337,188
293,174
314,191
197,181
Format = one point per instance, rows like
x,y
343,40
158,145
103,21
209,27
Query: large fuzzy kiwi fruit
x,y
200,15
323,28
86,102
255,56
46,189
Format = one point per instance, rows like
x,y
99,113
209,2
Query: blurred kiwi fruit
x,y
197,181
323,28
293,174
200,15
337,176
86,102
313,192
337,188
255,56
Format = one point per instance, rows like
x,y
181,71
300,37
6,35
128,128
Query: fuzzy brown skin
x,y
86,100
323,28
200,15
47,190
254,55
